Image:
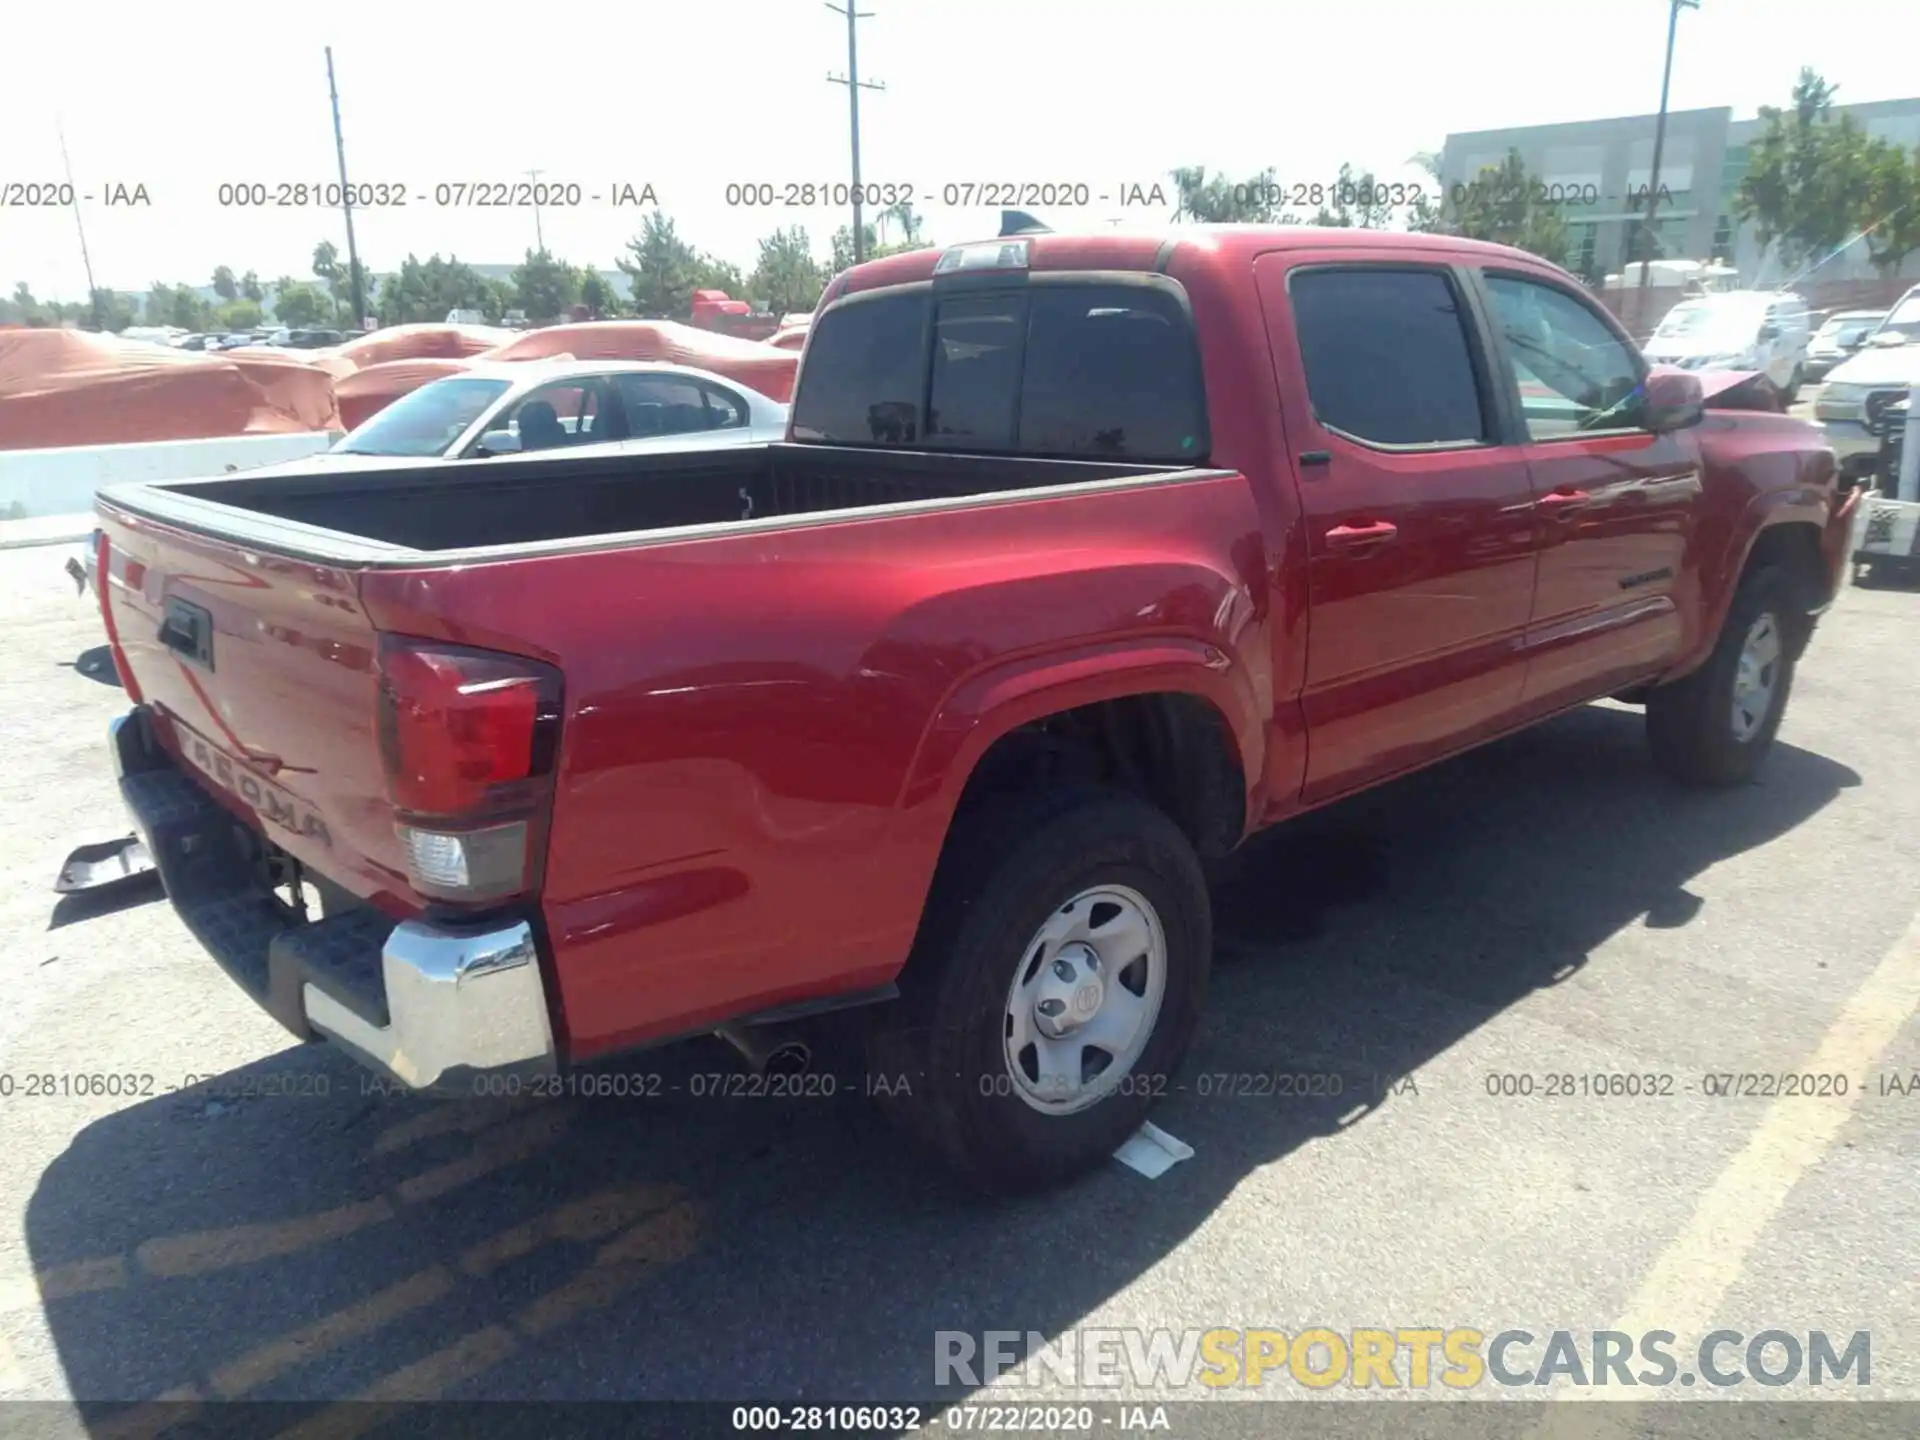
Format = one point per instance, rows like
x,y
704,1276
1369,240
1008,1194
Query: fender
x,y
1807,503
986,706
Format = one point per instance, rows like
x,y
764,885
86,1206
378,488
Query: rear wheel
x,y
1715,726
1054,986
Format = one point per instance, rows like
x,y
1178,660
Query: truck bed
x,y
484,504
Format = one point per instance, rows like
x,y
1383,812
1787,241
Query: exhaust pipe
x,y
768,1050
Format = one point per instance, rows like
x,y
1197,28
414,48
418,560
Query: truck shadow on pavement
x,y
289,1233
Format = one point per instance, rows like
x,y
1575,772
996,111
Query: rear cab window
x,y
1058,367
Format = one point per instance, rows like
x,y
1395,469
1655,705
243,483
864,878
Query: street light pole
x,y
854,86
1659,140
533,192
86,263
346,202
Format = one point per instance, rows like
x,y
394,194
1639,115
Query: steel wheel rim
x,y
1090,985
1756,677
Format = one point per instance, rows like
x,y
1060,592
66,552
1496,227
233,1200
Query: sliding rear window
x,y
1066,368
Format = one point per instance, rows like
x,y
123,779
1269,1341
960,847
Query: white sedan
x,y
576,407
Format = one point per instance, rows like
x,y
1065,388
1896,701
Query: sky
x,y
690,98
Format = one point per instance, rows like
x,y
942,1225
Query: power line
x,y
533,192
854,85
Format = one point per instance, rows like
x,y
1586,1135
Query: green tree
x,y
663,270
1504,205
787,276
23,309
250,288
599,296
902,214
843,247
1808,175
110,310
545,288
224,285
1891,204
328,267
298,304
238,315
1217,200
1426,215
1358,202
427,290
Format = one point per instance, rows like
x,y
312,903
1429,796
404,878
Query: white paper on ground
x,y
1152,1152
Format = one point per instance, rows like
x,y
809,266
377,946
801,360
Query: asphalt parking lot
x,y
1545,906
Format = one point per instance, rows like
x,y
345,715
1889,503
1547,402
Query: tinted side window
x,y
860,381
1111,371
674,405
1575,374
1386,356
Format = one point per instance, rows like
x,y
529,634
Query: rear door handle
x,y
1347,536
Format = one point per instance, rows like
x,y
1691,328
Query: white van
x,y
1738,330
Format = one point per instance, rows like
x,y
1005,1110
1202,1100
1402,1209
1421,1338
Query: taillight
x,y
470,739
103,587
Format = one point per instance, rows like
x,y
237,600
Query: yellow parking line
x,y
1694,1273
587,1219
661,1239
426,1379
669,1236
502,1148
451,1117
57,1282
172,1256
330,1332
581,1221
150,1417
1691,1277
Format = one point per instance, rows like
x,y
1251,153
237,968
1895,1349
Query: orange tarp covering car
x,y
418,342
365,393
751,362
71,387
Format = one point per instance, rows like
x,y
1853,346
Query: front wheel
x,y
1715,726
1054,986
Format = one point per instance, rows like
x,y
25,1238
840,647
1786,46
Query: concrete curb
x,y
46,530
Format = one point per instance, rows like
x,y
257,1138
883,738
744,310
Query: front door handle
x,y
1348,536
1564,501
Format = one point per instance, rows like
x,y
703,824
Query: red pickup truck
x,y
1084,558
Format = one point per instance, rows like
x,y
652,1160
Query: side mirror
x,y
499,442
1674,401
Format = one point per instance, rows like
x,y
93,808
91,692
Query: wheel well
x,y
1793,546
1173,750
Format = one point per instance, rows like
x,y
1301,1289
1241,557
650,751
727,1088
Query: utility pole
x,y
93,295
854,86
534,192
1660,140
346,203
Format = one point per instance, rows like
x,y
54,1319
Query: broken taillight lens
x,y
103,588
470,739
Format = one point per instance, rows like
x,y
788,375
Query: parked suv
x,y
1882,370
1738,330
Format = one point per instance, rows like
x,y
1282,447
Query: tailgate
x,y
261,671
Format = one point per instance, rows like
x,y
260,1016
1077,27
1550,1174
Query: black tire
x,y
1009,865
1690,722
1793,385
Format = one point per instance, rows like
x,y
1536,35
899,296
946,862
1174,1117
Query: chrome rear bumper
x,y
431,1005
